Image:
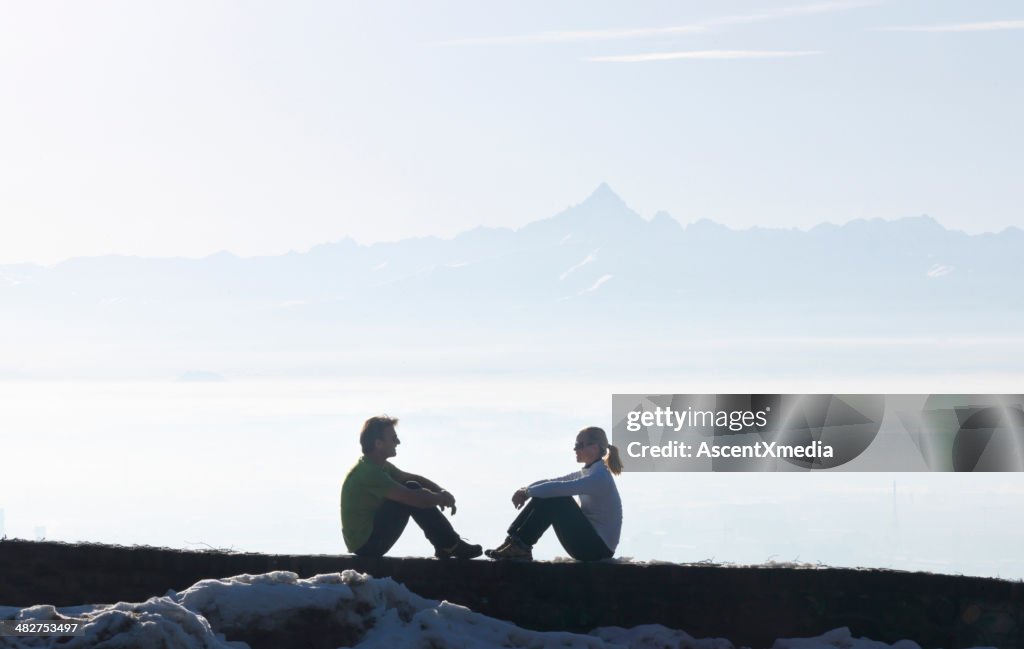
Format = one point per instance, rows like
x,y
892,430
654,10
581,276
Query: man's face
x,y
388,442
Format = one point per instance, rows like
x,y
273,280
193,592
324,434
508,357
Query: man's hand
x,y
520,497
447,500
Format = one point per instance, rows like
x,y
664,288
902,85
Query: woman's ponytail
x,y
611,457
613,461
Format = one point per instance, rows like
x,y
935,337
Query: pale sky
x,y
186,128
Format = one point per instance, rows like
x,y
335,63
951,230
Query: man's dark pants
x,y
391,518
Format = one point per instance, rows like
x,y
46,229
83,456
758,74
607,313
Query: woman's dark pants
x,y
391,518
574,531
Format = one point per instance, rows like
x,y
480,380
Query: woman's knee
x,y
557,501
589,554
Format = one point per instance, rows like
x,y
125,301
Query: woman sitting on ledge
x,y
588,531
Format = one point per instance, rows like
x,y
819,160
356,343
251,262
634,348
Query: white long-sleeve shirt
x,y
599,498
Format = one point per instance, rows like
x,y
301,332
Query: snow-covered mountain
x,y
598,250
595,272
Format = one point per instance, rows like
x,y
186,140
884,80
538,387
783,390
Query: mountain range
x,y
599,250
596,270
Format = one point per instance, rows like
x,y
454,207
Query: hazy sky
x,y
188,127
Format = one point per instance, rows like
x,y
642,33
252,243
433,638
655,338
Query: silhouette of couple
x,y
378,499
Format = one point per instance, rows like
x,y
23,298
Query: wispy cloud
x,y
992,26
649,32
700,54
571,36
790,12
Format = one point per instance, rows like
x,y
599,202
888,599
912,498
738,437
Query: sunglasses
x,y
580,445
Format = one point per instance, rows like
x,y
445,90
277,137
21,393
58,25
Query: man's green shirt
x,y
361,494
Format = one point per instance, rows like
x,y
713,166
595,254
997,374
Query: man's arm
x,y
420,498
427,485
404,477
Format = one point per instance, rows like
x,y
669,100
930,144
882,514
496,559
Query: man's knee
x,y
370,553
392,509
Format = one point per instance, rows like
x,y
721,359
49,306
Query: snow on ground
x,y
373,613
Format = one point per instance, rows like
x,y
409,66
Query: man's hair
x,y
373,428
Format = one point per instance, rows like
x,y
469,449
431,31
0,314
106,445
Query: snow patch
x,y
940,270
600,280
656,636
373,613
842,639
586,260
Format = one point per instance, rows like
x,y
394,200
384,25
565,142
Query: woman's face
x,y
586,450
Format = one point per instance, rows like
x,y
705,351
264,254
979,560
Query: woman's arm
x,y
580,484
522,494
520,497
563,478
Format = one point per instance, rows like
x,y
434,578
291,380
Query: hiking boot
x,y
461,550
508,539
512,549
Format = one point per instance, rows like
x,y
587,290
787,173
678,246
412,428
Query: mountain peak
x,y
706,225
604,195
602,212
664,222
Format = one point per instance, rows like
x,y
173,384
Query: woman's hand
x,y
520,497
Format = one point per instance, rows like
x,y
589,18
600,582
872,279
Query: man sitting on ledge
x,y
377,499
